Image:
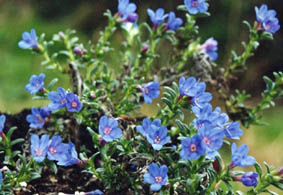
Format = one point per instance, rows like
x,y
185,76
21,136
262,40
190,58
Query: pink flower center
x,y
158,179
194,3
200,125
193,147
157,140
206,141
107,130
37,85
52,150
63,101
146,91
268,26
196,100
38,152
74,104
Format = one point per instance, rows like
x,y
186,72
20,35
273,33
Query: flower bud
x,y
144,49
132,17
78,51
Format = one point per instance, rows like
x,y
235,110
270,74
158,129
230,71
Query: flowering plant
x,y
130,154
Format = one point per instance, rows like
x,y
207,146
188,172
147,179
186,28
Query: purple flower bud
x,y
132,17
144,49
61,35
78,51
249,179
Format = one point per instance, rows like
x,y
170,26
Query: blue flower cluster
x,y
64,154
267,19
37,117
62,99
159,16
155,134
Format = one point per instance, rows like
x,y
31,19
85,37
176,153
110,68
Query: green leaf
x,y
52,83
19,140
10,132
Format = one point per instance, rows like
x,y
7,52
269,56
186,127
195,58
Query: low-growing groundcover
x,y
91,139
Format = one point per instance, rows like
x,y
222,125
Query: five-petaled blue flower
x,y
29,40
157,17
249,179
36,83
150,91
73,103
37,118
108,129
233,130
192,148
39,147
173,22
157,136
127,10
196,6
58,99
56,148
156,177
267,19
69,157
240,156
210,48
144,129
212,139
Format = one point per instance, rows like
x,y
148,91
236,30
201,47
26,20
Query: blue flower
x,y
73,103
240,156
2,123
173,22
157,136
127,10
56,148
145,127
108,129
192,148
29,40
212,138
196,6
95,192
37,118
249,179
267,18
263,14
39,147
190,87
156,177
233,130
272,25
157,17
36,83
58,99
150,91
210,48
69,157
